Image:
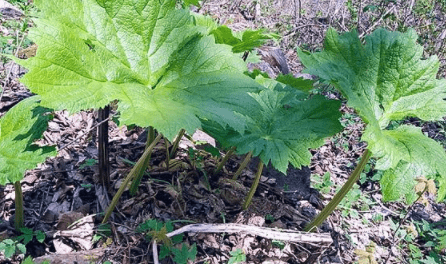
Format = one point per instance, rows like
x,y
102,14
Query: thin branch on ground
x,y
155,252
270,233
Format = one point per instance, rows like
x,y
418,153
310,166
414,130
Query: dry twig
x,y
271,233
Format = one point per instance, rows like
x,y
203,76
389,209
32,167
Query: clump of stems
x,y
139,168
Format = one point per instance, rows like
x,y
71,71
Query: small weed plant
x,y
434,238
237,256
322,183
175,248
88,163
10,247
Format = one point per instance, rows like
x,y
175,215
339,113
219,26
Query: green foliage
x,y
181,256
196,158
278,244
370,8
19,127
269,218
322,183
369,174
28,234
16,38
18,1
424,7
102,231
386,80
9,247
157,230
417,254
88,163
352,9
215,152
87,186
237,256
164,70
434,237
191,2
243,41
284,126
28,260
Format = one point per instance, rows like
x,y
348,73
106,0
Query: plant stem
x,y
141,165
166,143
242,165
254,185
18,219
103,154
331,206
150,136
176,143
135,183
224,160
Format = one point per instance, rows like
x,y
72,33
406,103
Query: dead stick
x,y
155,253
283,235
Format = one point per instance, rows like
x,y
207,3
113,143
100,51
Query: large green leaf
x,y
19,127
413,155
386,79
284,126
163,68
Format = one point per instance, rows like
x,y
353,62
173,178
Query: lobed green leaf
x,y
387,79
283,127
19,128
161,66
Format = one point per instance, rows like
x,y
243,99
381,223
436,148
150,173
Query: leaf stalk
x,y
254,185
176,143
166,144
19,221
103,151
135,183
224,160
331,206
141,165
242,165
150,136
